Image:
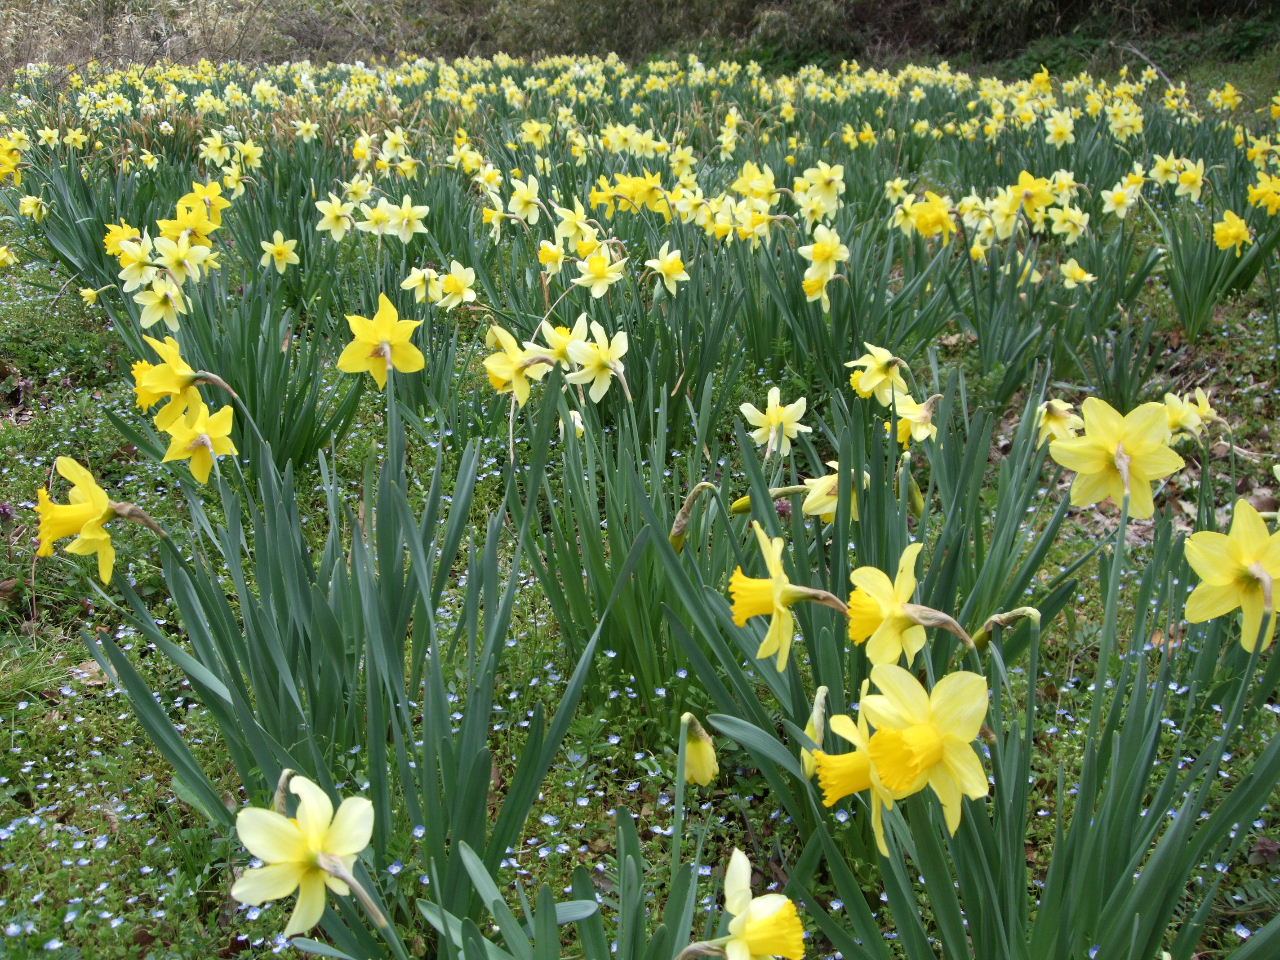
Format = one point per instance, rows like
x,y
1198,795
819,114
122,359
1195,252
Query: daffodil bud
x,y
1004,620
814,730
700,765
929,617
681,524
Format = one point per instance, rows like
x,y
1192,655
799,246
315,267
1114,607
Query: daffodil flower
x,y
310,852
597,271
842,775
1056,420
381,344
880,376
764,926
778,424
277,251
1118,455
1237,569
600,360
336,218
511,368
456,286
559,339
669,268
201,437
774,596
926,739
82,517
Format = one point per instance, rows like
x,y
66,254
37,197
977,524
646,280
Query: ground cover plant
x,y
566,508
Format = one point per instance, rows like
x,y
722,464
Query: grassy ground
x,y
102,859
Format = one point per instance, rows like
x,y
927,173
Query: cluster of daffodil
x,y
183,249
638,191
591,361
195,433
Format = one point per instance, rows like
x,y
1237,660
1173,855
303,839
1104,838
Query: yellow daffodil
x,y
1074,275
83,516
1191,180
278,252
1184,416
381,344
778,425
825,254
172,379
600,361
456,286
926,739
310,852
915,420
1056,420
773,596
700,764
559,339
163,300
511,368
336,218
1237,569
201,437
424,282
598,272
524,200
1118,455
1231,231
551,256
842,775
880,376
764,926
879,610
822,495
406,219
669,268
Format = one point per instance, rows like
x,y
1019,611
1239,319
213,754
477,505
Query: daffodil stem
x,y
1110,620
677,827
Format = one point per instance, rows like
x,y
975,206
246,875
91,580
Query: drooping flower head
x,y
512,369
880,376
82,517
772,596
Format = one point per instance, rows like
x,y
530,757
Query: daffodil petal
x,y
272,882
270,836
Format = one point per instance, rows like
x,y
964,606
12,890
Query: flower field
x,y
532,510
